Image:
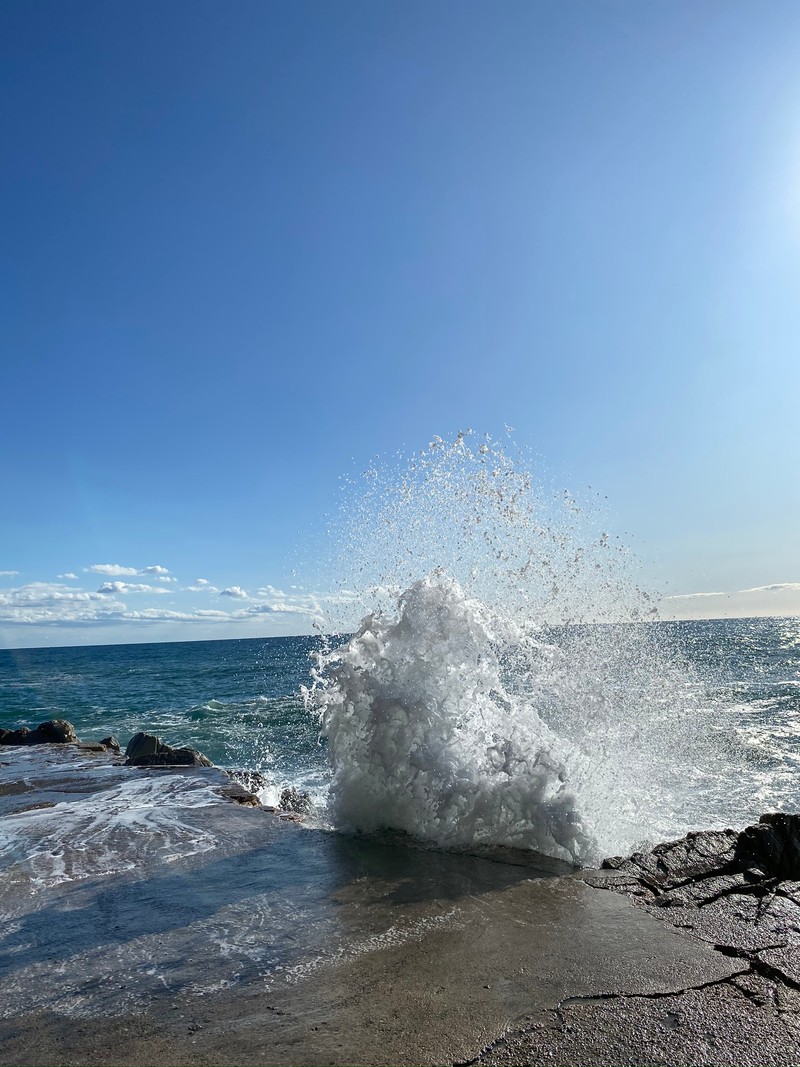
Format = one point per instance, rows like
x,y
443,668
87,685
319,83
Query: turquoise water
x,y
239,701
236,701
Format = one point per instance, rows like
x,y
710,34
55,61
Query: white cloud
x,y
54,604
779,587
49,602
758,601
159,615
201,581
117,570
69,574
693,596
202,588
8,574
165,578
112,569
130,587
277,601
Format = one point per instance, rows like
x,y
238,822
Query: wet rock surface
x,y
258,941
738,891
295,801
252,781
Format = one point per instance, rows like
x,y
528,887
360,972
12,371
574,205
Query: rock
x,y
171,757
739,891
253,781
240,795
110,742
143,744
296,802
768,850
147,750
15,737
51,732
773,845
672,863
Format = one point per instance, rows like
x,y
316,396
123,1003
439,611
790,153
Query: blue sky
x,y
248,246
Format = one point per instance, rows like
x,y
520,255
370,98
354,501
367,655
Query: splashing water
x,y
503,687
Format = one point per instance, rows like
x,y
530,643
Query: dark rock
x,y
110,742
143,744
296,802
147,750
240,795
15,737
772,845
51,732
253,781
739,891
171,757
671,864
768,850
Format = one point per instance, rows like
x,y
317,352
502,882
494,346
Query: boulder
x,y
171,757
147,750
51,732
110,742
237,792
143,744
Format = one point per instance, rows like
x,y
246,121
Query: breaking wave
x,y
505,686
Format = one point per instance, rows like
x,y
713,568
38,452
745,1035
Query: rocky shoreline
x,y
737,891
226,934
147,750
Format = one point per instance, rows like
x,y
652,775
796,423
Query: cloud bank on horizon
x,y
70,614
55,612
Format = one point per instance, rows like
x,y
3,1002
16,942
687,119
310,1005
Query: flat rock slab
x,y
149,921
740,1022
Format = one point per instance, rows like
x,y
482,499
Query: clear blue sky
x,y
247,245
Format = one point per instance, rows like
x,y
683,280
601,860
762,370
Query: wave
x,y
513,693
424,737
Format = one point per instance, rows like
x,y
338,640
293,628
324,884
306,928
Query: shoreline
x,y
216,933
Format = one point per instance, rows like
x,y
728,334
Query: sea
x,y
727,749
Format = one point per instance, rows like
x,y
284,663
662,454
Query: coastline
x,y
151,921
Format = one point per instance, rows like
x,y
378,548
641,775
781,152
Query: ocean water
x,y
239,702
242,703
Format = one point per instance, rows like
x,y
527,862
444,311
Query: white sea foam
x,y
503,687
420,736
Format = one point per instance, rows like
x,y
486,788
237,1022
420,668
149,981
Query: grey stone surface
x,y
744,1021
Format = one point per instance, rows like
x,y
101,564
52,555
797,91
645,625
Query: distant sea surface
x,y
239,701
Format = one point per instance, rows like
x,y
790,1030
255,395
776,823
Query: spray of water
x,y
504,685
